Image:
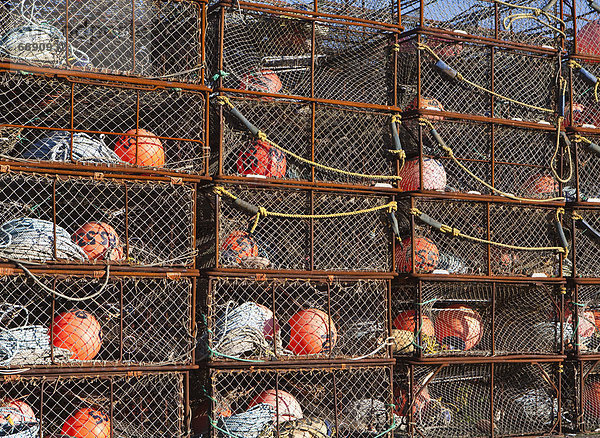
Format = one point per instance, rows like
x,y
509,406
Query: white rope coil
x,y
57,147
248,424
33,240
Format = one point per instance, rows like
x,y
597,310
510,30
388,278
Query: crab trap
x,y
458,155
155,39
534,23
294,55
73,120
294,230
583,27
304,402
582,326
62,322
585,153
465,400
584,108
286,320
581,396
78,220
585,241
447,236
143,405
457,75
441,318
344,146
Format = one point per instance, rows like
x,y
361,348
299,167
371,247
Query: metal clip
x,y
174,275
98,175
176,180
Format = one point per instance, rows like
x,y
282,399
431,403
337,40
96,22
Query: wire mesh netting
x,y
521,77
123,321
348,140
299,319
329,402
141,406
581,396
524,239
380,11
484,18
456,400
582,23
587,241
584,109
493,153
271,53
150,38
581,332
356,242
101,123
81,220
470,318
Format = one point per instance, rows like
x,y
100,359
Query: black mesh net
x,y
469,318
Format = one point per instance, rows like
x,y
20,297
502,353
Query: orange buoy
x,y
458,327
15,413
540,184
260,158
99,241
87,423
79,332
407,320
143,150
238,246
309,332
265,81
588,39
434,175
289,408
426,255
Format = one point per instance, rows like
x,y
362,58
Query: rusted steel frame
x,y
420,126
59,372
120,78
275,313
492,54
478,278
417,329
488,237
52,313
561,312
579,398
54,251
313,129
329,321
388,287
300,364
277,397
452,196
311,236
412,237
216,230
194,222
127,218
493,322
411,388
448,360
71,122
492,383
335,401
89,131
560,395
187,412
276,276
93,270
202,37
121,318
311,15
206,139
112,405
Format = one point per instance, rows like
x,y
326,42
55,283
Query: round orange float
x,y
16,412
426,255
143,150
87,423
289,408
265,81
458,327
407,320
99,241
309,332
434,175
79,332
260,158
238,246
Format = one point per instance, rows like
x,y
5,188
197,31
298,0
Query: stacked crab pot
x,y
103,139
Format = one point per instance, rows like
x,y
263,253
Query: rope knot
x,y
577,216
455,232
261,136
224,100
396,118
416,212
393,206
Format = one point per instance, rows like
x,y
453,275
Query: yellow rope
x,y
581,139
263,212
574,64
223,100
554,157
455,232
576,216
535,15
460,77
450,153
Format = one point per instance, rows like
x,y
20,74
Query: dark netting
x,y
353,144
479,17
588,168
356,242
82,220
153,39
519,159
141,406
522,240
456,400
36,121
122,322
581,395
587,240
456,319
297,320
271,53
270,403
520,76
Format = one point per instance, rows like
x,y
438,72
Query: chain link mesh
x,y
581,331
516,74
518,225
359,242
584,30
131,321
455,400
481,148
479,17
588,170
309,319
142,406
153,39
350,140
586,243
349,402
456,319
103,117
585,110
272,53
581,407
143,223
